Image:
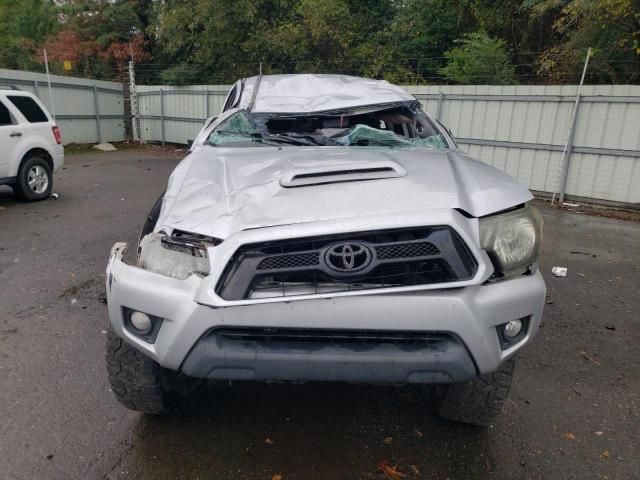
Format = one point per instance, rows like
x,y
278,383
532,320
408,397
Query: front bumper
x,y
330,355
470,314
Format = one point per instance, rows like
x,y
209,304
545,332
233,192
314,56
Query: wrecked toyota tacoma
x,y
325,228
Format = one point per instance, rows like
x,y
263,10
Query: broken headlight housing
x,y
177,255
512,240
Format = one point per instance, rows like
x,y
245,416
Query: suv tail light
x,y
56,134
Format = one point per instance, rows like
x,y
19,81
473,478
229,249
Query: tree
x,y
611,27
318,36
98,37
479,59
404,41
222,39
23,26
424,30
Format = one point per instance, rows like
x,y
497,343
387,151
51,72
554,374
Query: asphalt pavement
x,y
573,411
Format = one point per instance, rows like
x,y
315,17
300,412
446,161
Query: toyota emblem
x,y
348,257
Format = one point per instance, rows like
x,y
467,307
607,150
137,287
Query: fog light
x,y
141,322
511,329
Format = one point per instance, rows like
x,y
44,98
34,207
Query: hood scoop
x,y
342,173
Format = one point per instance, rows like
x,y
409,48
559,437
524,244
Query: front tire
x,y
141,384
478,402
35,179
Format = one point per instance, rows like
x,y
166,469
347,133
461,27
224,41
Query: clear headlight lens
x,y
512,240
173,257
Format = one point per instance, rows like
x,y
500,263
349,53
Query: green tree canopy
x,y
23,26
479,59
407,41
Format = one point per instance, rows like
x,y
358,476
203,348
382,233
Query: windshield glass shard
x,y
363,135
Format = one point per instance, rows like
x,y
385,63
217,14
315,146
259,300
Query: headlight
x,y
512,240
176,256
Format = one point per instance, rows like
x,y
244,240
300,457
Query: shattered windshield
x,y
398,125
237,128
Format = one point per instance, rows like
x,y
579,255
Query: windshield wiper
x,y
276,139
287,138
296,139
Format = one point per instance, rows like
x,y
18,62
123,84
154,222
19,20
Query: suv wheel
x,y
35,179
478,402
141,384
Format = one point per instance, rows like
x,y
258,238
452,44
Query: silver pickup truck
x,y
325,228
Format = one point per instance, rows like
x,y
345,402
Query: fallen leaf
x,y
268,441
276,477
569,436
390,471
605,454
599,433
418,433
388,440
586,356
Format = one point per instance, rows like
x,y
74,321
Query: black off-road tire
x,y
478,402
141,384
22,188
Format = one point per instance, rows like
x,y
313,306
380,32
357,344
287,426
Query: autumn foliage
x,y
67,45
408,41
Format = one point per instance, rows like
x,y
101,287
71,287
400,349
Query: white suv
x,y
30,145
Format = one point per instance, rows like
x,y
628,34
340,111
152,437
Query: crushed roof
x,y
304,93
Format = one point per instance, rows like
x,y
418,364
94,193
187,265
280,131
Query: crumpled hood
x,y
218,191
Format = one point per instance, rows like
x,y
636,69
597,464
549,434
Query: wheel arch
x,y
37,151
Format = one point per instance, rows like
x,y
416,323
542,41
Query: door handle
x,y
15,134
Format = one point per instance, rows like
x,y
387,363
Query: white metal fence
x,y
175,114
87,111
521,130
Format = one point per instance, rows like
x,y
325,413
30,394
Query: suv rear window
x,y
5,116
29,108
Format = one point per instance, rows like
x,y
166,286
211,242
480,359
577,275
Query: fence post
x,y
566,157
439,107
96,107
162,114
36,88
133,105
206,99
